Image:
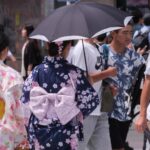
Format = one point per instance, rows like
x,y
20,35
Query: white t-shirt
x,y
77,59
147,71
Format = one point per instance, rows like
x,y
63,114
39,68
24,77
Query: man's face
x,y
124,36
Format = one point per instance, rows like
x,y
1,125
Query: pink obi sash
x,y
48,107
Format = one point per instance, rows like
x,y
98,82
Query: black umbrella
x,y
78,21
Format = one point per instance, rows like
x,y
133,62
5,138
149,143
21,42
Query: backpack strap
x,y
105,56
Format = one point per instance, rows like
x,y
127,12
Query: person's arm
x,y
142,50
100,75
140,123
12,58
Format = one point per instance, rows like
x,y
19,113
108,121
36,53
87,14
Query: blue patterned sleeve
x,y
28,83
86,97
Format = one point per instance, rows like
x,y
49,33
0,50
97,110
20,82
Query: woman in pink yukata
x,y
12,128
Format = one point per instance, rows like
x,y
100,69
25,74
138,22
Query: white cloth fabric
x,y
148,112
23,73
147,71
69,57
9,53
145,29
91,56
1,62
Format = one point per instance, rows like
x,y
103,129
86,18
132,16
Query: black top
x,y
32,55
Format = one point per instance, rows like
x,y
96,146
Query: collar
x,y
1,62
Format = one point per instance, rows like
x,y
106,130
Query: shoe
x,y
127,147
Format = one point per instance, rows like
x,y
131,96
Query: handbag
x,y
106,97
107,100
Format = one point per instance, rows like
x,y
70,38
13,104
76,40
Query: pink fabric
x,y
52,106
12,129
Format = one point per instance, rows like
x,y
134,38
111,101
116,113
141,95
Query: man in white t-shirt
x,y
141,122
96,129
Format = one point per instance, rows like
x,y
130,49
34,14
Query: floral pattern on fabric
x,y
52,75
12,129
127,65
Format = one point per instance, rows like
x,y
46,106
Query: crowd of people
x,y
55,102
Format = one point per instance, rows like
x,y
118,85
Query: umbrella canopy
x,y
78,21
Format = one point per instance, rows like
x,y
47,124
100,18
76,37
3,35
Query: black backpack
x,y
141,40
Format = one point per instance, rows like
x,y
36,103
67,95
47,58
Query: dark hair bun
x,y
53,49
4,41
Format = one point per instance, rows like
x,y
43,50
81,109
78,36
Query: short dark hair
x,y
147,19
137,15
4,41
101,37
29,29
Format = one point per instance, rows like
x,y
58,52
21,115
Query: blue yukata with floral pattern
x,y
52,75
127,64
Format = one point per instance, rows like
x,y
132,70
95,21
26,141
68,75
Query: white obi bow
x,y
48,107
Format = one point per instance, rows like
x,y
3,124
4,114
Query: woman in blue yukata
x,y
58,97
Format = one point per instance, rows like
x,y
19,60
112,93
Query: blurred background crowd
x,y
15,14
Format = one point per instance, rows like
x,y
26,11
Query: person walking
x,y
70,98
12,129
31,55
141,122
96,129
127,62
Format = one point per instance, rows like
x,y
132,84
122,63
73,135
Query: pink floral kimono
x,y
12,129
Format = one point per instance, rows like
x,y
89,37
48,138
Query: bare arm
x,y
13,60
141,50
140,123
100,75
